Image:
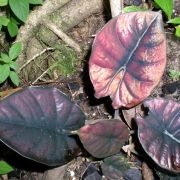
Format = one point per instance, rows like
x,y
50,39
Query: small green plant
x,y
174,74
5,168
167,8
8,66
16,12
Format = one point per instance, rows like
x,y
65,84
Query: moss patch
x,y
65,61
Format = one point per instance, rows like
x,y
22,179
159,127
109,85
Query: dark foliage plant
x,y
127,62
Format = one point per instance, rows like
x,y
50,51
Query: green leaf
x,y
15,50
35,1
0,27
4,20
14,78
20,8
3,2
15,20
166,6
4,72
132,9
174,74
174,21
177,33
13,65
12,29
5,58
5,168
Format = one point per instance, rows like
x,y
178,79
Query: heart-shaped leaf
x,y
159,133
104,137
128,58
35,123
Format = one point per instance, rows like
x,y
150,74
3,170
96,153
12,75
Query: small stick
x,y
34,57
41,76
8,92
69,41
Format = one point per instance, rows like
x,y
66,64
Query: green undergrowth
x,y
65,62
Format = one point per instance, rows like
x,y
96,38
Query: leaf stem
x,y
116,7
116,114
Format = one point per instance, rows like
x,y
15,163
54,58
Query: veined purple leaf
x,y
35,123
159,133
128,58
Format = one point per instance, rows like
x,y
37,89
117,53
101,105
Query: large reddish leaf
x,y
128,58
159,133
104,138
35,123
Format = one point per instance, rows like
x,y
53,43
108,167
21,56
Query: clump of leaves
x,y
8,66
16,13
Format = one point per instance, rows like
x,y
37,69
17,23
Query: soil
x,y
80,90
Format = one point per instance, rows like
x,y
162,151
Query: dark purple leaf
x,y
117,167
35,123
128,58
159,133
104,138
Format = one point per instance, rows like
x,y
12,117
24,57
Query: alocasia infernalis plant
x,y
36,123
127,62
159,133
128,58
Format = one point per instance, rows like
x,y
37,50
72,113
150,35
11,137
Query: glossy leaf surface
x,y
128,58
35,123
104,138
159,133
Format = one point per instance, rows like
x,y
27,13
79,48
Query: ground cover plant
x,y
16,13
8,66
127,62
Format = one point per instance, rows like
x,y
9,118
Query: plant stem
x,y
116,7
116,114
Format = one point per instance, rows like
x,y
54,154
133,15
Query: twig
x,y
8,92
69,41
34,57
46,71
116,7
